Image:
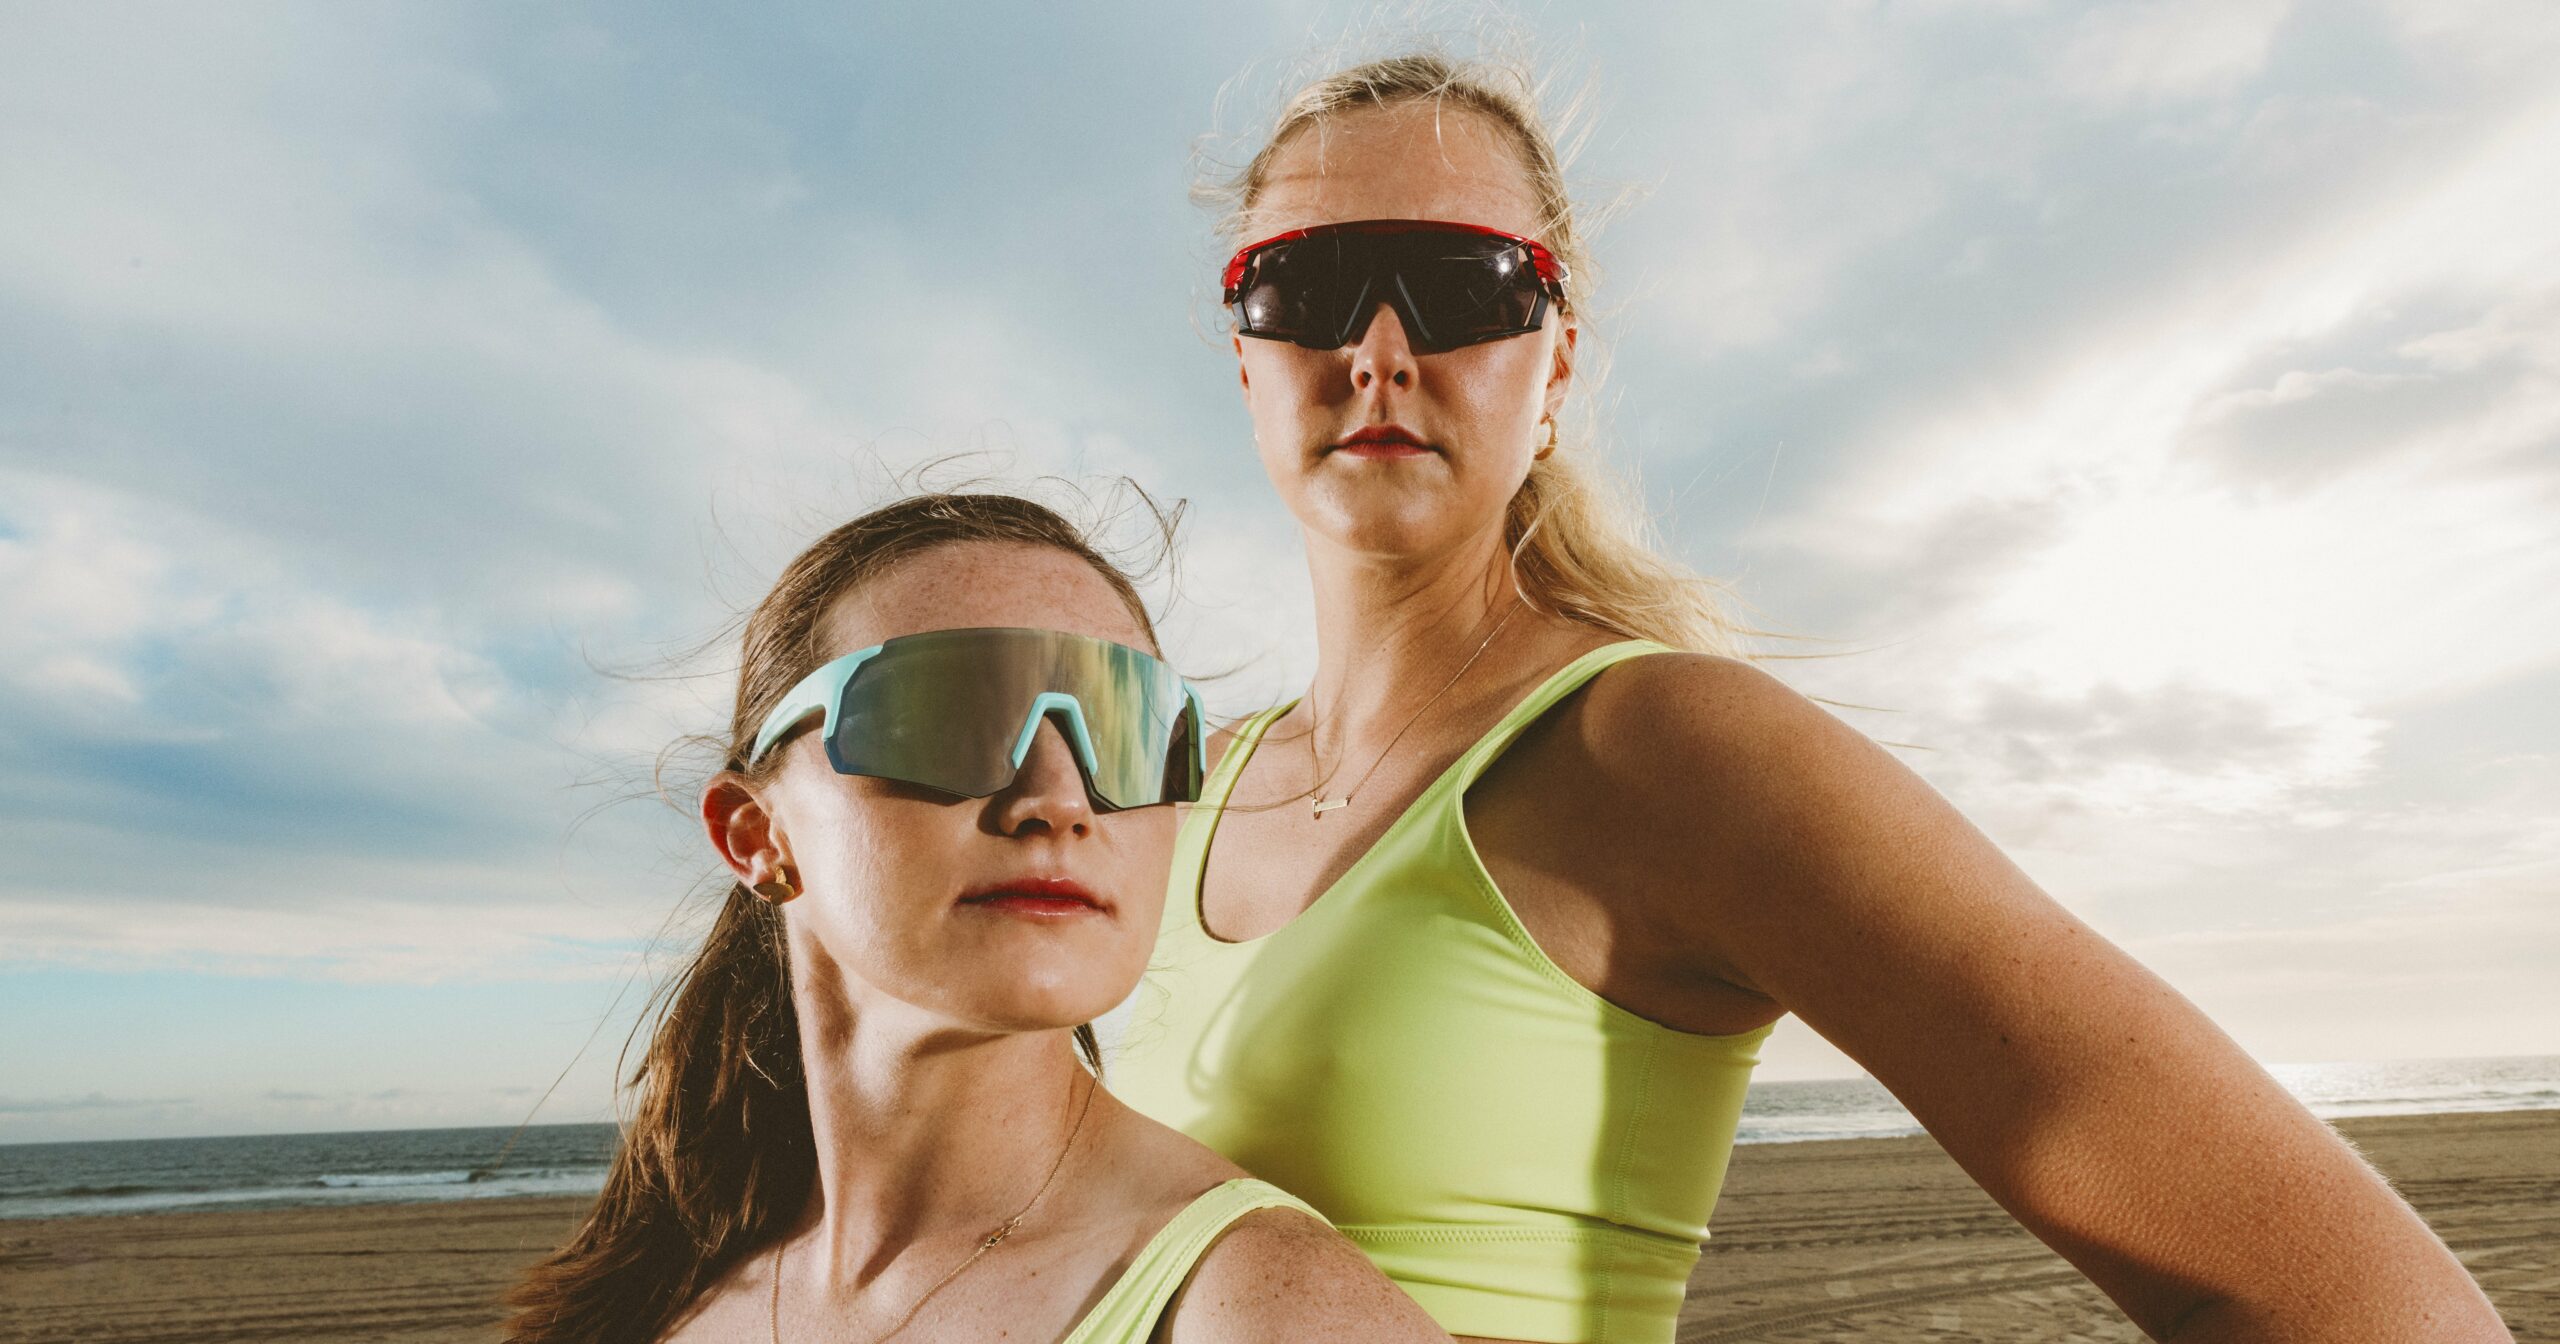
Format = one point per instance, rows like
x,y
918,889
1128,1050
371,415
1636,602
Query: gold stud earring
x,y
776,886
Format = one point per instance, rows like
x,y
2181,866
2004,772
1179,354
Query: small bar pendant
x,y
1327,805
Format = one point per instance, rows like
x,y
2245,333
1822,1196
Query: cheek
x,y
1503,383
868,876
876,915
1284,384
1141,846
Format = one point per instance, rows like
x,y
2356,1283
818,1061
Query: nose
x,y
1047,793
1384,352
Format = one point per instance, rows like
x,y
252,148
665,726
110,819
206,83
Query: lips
x,y
1044,897
1382,441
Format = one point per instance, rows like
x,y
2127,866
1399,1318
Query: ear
x,y
1243,379
742,830
1560,376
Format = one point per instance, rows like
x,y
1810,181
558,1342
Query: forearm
x,y
2325,1251
2329,1253
2210,1206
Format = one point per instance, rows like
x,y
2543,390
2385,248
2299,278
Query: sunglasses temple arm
x,y
822,690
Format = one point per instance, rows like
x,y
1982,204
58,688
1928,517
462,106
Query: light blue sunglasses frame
x,y
822,692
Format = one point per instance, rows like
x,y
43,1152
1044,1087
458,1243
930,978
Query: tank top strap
x,y
1565,681
1131,1309
1200,823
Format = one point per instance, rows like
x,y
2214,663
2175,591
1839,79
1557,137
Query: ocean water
x,y
1860,1108
42,1180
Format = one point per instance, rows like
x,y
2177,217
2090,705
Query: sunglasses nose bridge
x,y
1068,713
1071,727
1357,311
1384,291
1417,333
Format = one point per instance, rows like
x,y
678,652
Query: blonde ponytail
x,y
1579,549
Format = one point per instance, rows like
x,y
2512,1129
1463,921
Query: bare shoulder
x,y
1277,1275
1670,705
1675,731
1718,758
1732,818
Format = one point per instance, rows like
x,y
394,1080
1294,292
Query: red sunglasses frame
x,y
1551,272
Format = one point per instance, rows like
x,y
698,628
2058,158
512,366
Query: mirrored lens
x,y
944,709
938,711
1132,706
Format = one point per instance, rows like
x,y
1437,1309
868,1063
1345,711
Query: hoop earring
x,y
777,886
1550,449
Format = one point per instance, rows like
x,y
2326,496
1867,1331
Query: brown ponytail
x,y
718,1157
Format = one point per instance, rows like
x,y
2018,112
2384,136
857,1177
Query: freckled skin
x,y
881,862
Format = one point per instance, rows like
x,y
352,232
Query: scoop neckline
x,y
1412,808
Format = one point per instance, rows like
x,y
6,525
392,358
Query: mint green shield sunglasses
x,y
956,710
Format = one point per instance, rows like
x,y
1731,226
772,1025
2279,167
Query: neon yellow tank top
x,y
1525,1158
1128,1313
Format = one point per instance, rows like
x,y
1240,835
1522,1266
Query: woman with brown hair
x,y
1473,945
871,1109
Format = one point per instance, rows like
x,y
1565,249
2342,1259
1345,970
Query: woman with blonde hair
x,y
870,1109
1472,946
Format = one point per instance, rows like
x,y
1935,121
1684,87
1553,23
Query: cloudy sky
x,y
2154,407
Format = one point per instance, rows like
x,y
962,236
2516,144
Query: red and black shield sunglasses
x,y
1451,284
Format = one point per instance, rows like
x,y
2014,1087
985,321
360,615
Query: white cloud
x,y
2479,941
496,925
1753,201
348,476
2160,599
2168,48
93,583
2148,563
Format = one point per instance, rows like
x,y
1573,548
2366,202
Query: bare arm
x,y
2088,1097
1278,1277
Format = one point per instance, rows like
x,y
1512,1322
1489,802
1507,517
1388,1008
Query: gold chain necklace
x,y
1320,805
773,1305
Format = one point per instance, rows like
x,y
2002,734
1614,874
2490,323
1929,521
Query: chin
x,y
1029,1009
1383,521
1397,537
1063,992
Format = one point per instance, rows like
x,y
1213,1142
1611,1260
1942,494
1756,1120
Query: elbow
x,y
2449,1313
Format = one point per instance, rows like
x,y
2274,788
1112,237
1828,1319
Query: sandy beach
x,y
1867,1238
1886,1239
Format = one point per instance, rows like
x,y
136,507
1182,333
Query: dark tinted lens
x,y
1465,291
1298,291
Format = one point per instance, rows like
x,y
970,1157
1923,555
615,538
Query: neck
x,y
929,1140
1389,632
